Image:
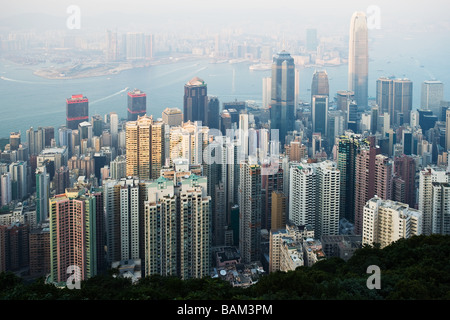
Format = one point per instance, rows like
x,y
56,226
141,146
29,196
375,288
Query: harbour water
x,y
27,100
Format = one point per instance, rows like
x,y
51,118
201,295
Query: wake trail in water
x,y
108,97
175,70
19,81
186,78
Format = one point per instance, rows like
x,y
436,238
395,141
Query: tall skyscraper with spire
x,y
282,104
358,59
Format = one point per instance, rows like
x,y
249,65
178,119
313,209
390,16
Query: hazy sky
x,y
325,15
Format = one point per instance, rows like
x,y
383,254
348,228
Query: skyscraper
x,y
427,177
174,117
195,101
124,218
314,196
212,115
373,176
178,227
42,194
447,129
358,59
14,140
319,84
72,235
405,171
112,50
145,140
441,210
385,221
282,105
402,96
135,46
6,189
384,94
343,99
431,96
328,193
319,108
114,129
77,111
311,39
137,104
250,211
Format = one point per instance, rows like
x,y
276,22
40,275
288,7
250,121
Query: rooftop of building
x,y
196,81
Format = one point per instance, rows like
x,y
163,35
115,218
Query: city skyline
x,y
226,153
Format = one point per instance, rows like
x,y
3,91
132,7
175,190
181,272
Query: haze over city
x,y
235,141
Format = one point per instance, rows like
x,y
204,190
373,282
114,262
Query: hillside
x,y
415,268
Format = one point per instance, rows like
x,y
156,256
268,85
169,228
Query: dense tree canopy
x,y
415,268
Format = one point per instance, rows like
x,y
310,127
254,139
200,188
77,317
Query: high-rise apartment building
x,y
426,201
124,218
188,141
404,188
278,210
447,129
39,252
73,240
135,46
373,176
440,218
137,104
358,59
114,129
14,246
6,188
270,182
77,111
145,141
174,117
285,249
42,194
386,221
250,211
347,149
178,228
112,49
314,196
19,180
282,105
